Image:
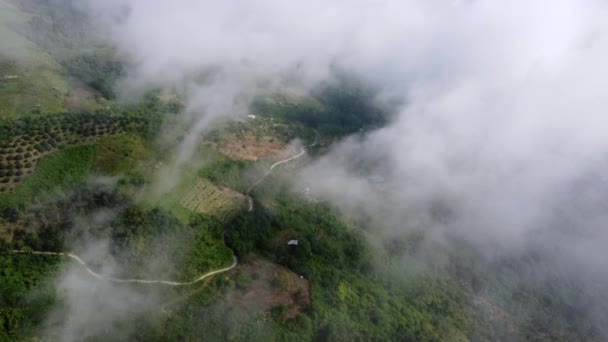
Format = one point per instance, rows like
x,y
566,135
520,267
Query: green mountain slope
x,y
30,78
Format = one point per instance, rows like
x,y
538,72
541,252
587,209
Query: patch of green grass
x,y
118,154
151,196
40,83
57,170
39,86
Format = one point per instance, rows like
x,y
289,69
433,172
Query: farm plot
x,y
208,198
29,139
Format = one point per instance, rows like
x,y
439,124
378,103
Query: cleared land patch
x,y
249,146
253,139
264,285
207,198
81,99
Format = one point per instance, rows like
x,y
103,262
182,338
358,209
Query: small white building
x,y
251,116
292,243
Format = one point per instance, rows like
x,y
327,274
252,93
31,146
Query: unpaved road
x,y
133,280
273,166
302,152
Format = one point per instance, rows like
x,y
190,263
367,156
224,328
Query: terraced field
x,y
208,198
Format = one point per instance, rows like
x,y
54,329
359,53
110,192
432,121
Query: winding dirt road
x,y
169,282
261,179
133,280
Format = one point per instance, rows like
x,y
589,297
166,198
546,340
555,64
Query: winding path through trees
x,y
133,280
261,179
202,277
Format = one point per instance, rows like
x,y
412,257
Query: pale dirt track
x,y
261,179
133,280
169,282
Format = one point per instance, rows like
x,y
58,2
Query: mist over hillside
x,y
463,138
501,114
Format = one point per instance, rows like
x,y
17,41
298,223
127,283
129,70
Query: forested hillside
x,y
207,202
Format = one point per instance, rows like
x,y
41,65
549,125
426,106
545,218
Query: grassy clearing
x,y
30,79
119,154
36,86
66,167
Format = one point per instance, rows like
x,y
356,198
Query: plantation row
x,y
28,139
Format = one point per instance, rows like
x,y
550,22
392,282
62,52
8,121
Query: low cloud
x,y
502,117
92,308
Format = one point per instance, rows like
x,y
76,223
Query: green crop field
x,y
208,198
63,168
31,138
120,153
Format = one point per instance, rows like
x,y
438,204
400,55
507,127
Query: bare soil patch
x,y
80,98
248,146
266,286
